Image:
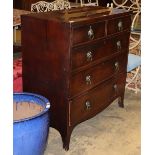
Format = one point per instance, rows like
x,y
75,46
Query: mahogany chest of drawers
x,y
76,58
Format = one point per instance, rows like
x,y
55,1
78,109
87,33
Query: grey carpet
x,y
114,131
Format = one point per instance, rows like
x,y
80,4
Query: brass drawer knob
x,y
90,33
117,65
115,88
118,45
89,56
88,79
120,25
88,105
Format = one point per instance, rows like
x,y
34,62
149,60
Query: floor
x,y
114,131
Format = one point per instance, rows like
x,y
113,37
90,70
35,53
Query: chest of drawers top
x,y
80,14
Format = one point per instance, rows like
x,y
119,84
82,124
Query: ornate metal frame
x,y
89,2
43,6
40,6
59,5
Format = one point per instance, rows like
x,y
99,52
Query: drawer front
x,y
94,101
87,79
86,55
87,33
118,25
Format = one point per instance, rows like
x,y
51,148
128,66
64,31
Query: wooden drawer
x,y
87,79
85,55
88,32
118,25
95,100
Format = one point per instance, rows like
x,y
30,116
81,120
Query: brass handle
x,y
117,65
89,56
88,79
118,45
90,33
88,105
115,88
120,25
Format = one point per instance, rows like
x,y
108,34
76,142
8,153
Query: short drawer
x,y
88,32
118,25
94,101
87,79
86,55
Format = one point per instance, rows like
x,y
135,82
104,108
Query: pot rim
x,y
40,97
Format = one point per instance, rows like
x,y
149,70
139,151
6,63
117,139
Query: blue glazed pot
x,y
30,134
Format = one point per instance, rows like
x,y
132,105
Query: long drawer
x,y
95,100
89,54
87,79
